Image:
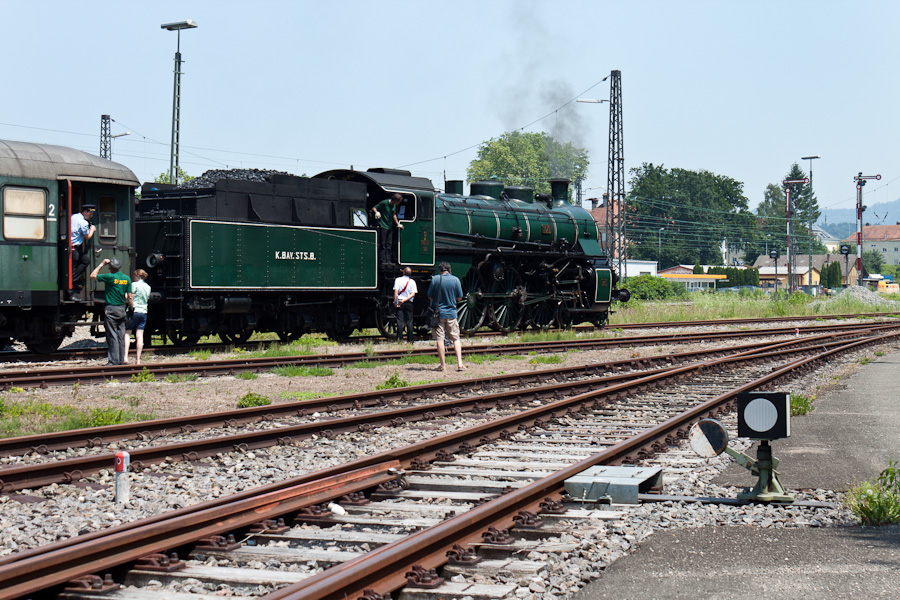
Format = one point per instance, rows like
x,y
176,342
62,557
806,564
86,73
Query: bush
x,y
647,287
145,376
877,503
253,399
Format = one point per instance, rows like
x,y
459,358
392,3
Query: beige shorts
x,y
452,331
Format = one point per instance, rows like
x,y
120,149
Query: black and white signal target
x,y
764,415
708,438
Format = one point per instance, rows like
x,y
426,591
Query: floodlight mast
x,y
176,96
860,182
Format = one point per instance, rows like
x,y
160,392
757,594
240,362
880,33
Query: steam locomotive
x,y
291,254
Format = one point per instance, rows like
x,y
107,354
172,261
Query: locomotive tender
x,y
293,254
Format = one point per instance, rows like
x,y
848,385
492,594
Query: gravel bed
x,y
67,510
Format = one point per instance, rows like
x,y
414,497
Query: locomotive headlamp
x,y
764,415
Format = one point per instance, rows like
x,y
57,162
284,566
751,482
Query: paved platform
x,y
849,437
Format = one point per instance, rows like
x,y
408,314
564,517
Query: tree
x,y
180,176
531,159
697,210
873,261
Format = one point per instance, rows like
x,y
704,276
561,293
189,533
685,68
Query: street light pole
x,y
810,159
176,96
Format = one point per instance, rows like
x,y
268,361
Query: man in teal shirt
x,y
118,295
385,213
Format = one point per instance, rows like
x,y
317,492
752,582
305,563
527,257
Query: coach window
x,y
108,222
23,213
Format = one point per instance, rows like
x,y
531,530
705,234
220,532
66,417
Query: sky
x,y
741,89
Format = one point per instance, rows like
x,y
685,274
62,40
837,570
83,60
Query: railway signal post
x,y
860,182
790,258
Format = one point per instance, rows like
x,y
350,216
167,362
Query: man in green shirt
x,y
385,213
118,295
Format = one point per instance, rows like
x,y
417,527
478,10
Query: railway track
x,y
155,442
171,350
67,375
509,485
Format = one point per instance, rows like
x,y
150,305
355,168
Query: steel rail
x,y
69,470
383,570
39,568
45,377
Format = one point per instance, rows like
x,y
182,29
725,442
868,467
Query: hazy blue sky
x,y
742,89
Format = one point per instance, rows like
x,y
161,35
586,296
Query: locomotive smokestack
x,y
455,186
594,203
559,190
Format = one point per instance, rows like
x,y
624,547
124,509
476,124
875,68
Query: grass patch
x,y
422,359
864,360
545,360
246,375
877,502
394,381
801,405
482,359
299,371
253,399
200,354
32,417
145,376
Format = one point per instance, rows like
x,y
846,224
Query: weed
x,y
864,360
879,353
246,375
145,376
253,399
546,360
200,354
392,382
181,377
16,390
480,359
878,502
801,405
298,371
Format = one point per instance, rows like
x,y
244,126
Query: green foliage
x,y
180,176
878,502
518,158
145,376
801,405
647,287
480,359
200,354
545,360
698,269
873,261
246,375
736,276
253,399
831,275
394,381
420,359
299,371
696,209
35,417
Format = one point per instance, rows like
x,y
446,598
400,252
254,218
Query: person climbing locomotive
x,y
81,233
385,213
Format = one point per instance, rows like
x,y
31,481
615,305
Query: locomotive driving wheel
x,y
508,301
543,314
471,309
386,318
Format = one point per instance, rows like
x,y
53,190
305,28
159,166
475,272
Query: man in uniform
x,y
81,233
118,295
